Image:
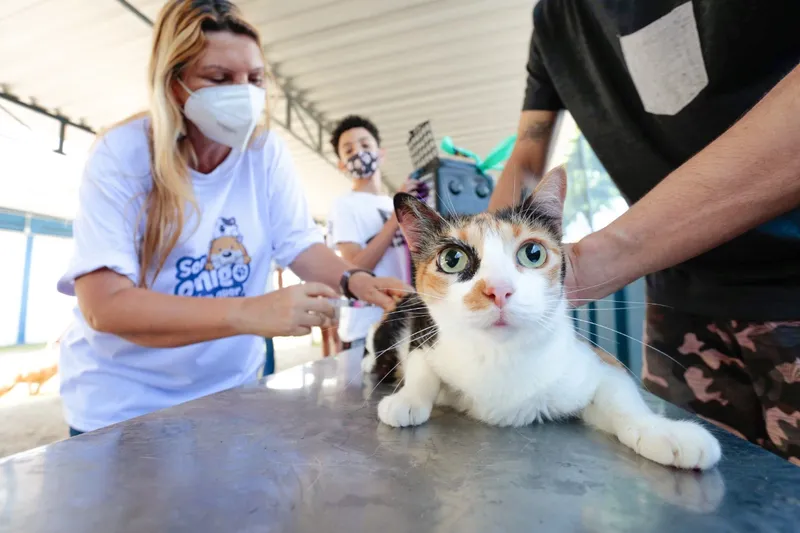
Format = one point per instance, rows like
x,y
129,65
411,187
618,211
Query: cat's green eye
x,y
532,255
453,260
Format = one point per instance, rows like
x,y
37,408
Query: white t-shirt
x,y
252,212
357,217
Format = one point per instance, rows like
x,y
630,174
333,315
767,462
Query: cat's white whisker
x,y
631,338
399,362
403,318
383,379
410,338
596,345
631,302
625,307
413,291
579,289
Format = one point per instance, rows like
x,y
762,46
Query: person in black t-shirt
x,y
694,110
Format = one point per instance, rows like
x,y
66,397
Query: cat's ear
x,y
417,220
547,199
551,192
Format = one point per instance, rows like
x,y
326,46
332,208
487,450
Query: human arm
x,y
747,176
319,263
110,303
368,256
526,164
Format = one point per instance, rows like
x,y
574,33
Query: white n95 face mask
x,y
226,114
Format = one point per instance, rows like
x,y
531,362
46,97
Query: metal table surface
x,y
303,451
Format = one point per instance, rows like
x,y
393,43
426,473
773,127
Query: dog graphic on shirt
x,y
226,250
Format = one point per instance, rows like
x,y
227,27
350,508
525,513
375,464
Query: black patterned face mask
x,y
362,165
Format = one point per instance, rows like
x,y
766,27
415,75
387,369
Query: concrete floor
x,y
30,421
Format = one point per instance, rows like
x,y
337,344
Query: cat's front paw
x,y
677,443
400,410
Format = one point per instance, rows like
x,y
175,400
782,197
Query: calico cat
x,y
491,335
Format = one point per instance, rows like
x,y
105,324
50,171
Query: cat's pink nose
x,y
499,292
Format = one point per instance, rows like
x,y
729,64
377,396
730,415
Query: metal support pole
x,y
593,323
621,325
62,135
26,280
269,362
289,104
319,136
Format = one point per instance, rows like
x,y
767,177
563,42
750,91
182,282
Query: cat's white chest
x,y
514,387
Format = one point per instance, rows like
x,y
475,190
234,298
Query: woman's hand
x,y
292,311
383,292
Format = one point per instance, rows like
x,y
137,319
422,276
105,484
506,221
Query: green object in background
x,y
499,155
493,161
449,148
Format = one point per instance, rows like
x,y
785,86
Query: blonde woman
x,y
181,212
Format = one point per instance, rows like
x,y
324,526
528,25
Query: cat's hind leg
x,y
412,404
618,408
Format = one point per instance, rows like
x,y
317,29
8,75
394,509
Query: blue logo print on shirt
x,y
220,273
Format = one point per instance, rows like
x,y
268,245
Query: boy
x,y
362,223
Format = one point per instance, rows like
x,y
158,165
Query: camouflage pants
x,y
743,376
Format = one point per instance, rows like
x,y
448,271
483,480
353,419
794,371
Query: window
x,y
593,201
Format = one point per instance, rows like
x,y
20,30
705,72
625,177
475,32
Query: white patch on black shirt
x,y
665,61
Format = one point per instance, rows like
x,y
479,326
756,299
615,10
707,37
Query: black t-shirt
x,y
650,83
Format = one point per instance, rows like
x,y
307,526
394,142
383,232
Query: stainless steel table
x,y
303,451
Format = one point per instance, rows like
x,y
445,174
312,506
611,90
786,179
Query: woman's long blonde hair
x,y
178,40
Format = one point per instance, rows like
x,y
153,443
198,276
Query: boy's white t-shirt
x,y
252,212
357,217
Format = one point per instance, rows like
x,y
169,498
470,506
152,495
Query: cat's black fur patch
x,y
410,318
528,211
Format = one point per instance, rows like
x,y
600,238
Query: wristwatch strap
x,y
344,283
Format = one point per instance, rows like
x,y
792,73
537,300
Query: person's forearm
x,y
746,177
526,164
319,263
371,254
156,320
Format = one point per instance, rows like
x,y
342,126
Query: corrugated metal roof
x,y
458,63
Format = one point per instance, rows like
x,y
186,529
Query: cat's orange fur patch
x,y
553,272
606,357
430,282
471,234
476,299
